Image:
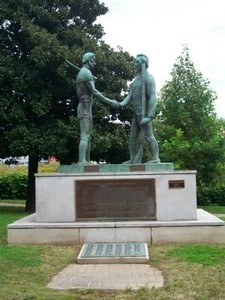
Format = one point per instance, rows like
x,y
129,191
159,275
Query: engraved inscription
x,y
89,250
119,250
114,250
99,250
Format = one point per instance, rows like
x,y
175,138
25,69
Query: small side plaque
x,y
136,168
114,253
176,184
91,168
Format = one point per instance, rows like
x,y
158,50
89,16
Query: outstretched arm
x,y
100,96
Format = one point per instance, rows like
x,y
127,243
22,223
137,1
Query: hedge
x,y
211,195
13,186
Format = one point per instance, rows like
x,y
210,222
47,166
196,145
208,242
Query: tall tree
x,y
37,90
188,129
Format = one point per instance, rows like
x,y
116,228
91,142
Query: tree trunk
x,y
32,169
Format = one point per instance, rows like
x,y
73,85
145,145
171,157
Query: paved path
x,y
107,276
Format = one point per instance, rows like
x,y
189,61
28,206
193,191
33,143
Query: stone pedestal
x,y
206,229
134,195
117,203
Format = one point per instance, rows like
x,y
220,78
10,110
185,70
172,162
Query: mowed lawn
x,y
190,271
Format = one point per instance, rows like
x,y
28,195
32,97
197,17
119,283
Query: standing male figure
x,y
142,97
85,85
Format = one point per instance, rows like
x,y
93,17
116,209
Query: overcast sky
x,y
160,28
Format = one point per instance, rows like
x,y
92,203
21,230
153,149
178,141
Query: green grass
x,y
191,272
214,209
206,255
13,201
8,215
48,168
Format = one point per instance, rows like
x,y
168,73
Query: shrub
x,y
14,180
13,186
208,195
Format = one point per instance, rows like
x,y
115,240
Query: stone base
x,y
112,168
206,229
137,195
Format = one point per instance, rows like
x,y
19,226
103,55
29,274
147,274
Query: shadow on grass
x,y
15,210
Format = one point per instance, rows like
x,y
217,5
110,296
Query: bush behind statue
x,y
208,195
13,186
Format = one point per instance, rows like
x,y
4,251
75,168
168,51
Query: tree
x,y
188,129
37,90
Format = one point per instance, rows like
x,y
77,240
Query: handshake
x,y
114,104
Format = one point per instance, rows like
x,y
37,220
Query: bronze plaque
x,y
114,250
176,184
134,168
91,168
109,199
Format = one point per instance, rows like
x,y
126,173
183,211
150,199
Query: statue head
x,y
89,58
142,58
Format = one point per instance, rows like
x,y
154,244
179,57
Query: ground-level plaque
x,y
136,252
115,199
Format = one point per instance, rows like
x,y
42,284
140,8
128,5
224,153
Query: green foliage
x,y
182,146
38,97
190,135
13,186
37,89
207,195
111,143
202,254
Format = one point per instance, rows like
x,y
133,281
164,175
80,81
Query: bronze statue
x,y
142,97
85,85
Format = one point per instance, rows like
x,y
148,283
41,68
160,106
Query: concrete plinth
x,y
115,168
140,203
205,229
161,195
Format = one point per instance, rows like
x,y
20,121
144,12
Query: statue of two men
x,y
142,97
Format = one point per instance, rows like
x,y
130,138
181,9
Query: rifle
x,y
139,156
72,65
77,68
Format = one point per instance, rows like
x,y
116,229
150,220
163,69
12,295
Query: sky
x,y
161,28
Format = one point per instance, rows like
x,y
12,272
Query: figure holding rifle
x,y
142,97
